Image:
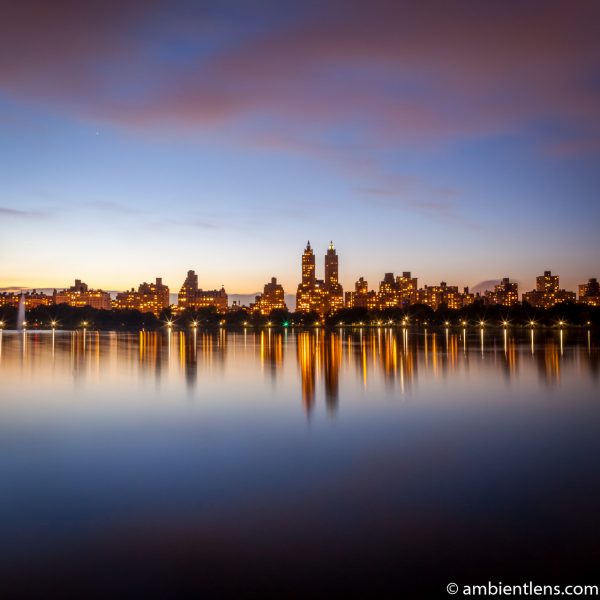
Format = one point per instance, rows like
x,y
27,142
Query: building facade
x,y
589,293
192,297
79,295
32,299
505,293
272,298
149,297
323,296
547,292
436,295
334,293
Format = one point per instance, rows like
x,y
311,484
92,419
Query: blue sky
x,y
150,140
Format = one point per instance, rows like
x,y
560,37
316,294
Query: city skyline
x,y
346,282
211,135
326,296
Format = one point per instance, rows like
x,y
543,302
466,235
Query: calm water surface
x,y
375,462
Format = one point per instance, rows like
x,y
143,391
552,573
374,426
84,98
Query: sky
x,y
459,141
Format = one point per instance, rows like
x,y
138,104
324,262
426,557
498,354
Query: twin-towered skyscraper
x,y
320,295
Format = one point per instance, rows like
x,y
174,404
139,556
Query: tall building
x,y
324,296
505,293
80,295
589,293
192,297
150,297
361,297
547,283
318,295
334,293
547,292
407,288
389,296
272,298
308,266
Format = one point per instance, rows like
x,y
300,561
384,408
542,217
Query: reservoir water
x,y
364,462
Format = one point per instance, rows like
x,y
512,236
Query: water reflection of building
x,y
271,350
151,352
509,355
332,362
386,356
189,359
85,353
548,362
307,355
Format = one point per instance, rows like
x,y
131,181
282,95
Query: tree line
x,y
68,317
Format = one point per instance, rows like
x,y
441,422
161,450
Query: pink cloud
x,y
395,74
